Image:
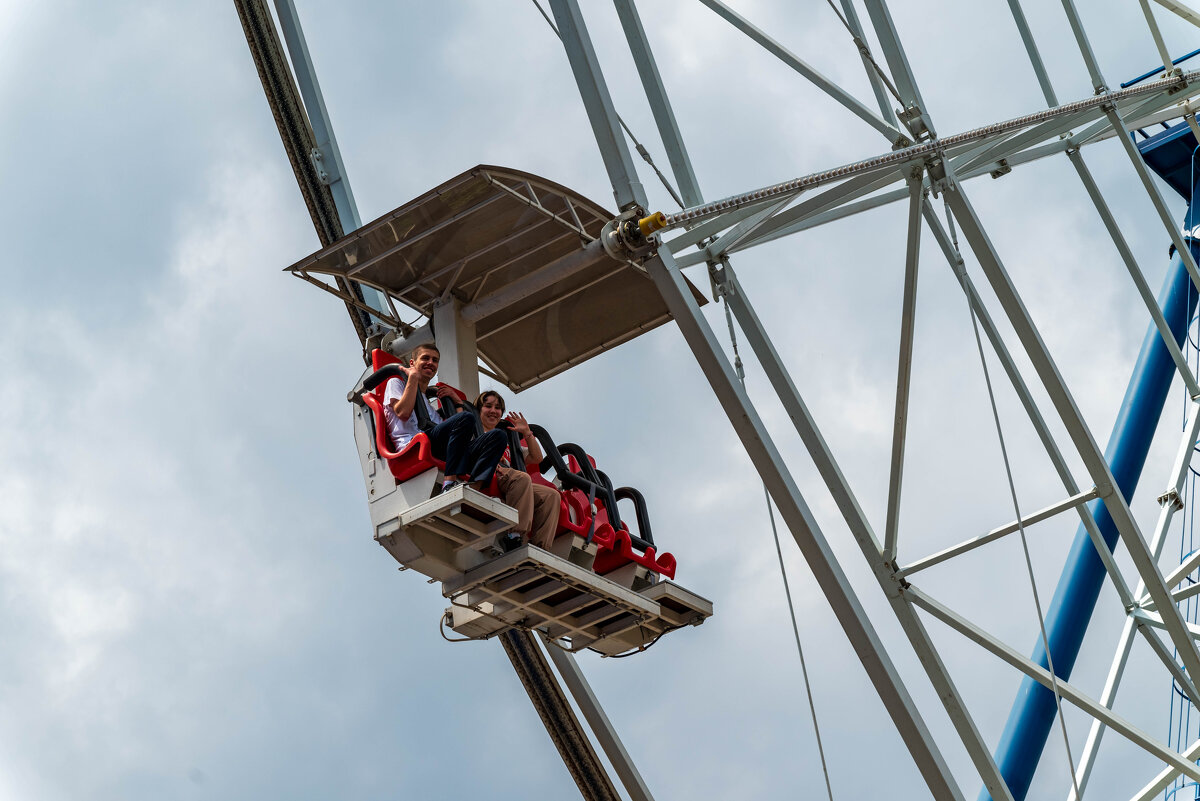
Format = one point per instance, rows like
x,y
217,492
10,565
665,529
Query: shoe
x,y
450,484
509,541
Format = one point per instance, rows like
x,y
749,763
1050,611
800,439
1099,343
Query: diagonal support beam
x,y
996,533
1080,434
1163,780
803,526
1085,47
1039,674
1135,272
593,712
881,96
853,104
1035,56
1180,9
627,187
856,520
897,59
908,316
660,104
746,423
1156,197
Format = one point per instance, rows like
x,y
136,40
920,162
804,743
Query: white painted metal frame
x,y
941,165
926,163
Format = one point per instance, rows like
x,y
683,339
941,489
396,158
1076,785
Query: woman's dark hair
x,y
491,393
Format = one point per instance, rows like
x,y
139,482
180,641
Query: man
x,y
468,458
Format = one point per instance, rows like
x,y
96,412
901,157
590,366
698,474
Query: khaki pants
x,y
537,506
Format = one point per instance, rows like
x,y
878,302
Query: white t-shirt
x,y
402,431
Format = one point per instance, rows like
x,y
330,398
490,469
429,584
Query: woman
x,y
537,505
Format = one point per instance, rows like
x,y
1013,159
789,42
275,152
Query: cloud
x,y
188,590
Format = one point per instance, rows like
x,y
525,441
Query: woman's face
x,y
491,412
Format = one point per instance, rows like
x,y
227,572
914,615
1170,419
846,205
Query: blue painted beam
x,y
1075,598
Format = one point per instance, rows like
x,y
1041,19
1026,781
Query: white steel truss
x,y
919,166
929,164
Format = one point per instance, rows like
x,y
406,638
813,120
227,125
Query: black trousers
x,y
455,443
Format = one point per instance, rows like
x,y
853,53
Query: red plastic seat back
x,y
417,455
622,552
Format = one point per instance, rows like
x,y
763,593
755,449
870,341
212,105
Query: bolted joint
x,y
318,162
718,277
913,121
1171,498
1002,168
630,236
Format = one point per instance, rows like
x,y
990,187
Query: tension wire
x,y
1012,488
787,590
641,149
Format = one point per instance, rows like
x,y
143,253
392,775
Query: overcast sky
x,y
191,604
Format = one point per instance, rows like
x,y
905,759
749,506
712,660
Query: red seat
x,y
615,546
621,553
574,514
417,455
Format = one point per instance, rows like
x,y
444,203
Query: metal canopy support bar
x,y
459,351
860,528
803,526
627,188
795,62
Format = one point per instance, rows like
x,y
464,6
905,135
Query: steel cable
x,y
1012,488
638,146
787,590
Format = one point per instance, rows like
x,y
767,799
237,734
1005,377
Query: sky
x,y
191,604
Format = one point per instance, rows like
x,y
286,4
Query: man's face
x,y
426,362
